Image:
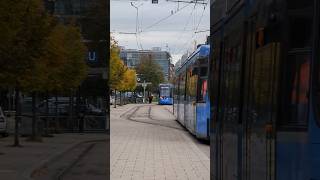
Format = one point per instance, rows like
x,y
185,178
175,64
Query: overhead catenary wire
x,y
159,25
163,19
185,26
194,33
201,18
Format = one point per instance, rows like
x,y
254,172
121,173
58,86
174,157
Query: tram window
x,y
298,4
181,87
297,92
195,71
203,71
202,90
231,3
191,84
301,32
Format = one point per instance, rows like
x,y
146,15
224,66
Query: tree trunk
x,y
34,117
46,132
17,118
79,111
56,113
71,123
121,98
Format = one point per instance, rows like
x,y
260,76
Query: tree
x,y
75,69
66,61
117,68
24,27
128,82
121,77
36,54
150,71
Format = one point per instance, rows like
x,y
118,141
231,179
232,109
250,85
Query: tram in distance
x,y
265,90
165,94
191,101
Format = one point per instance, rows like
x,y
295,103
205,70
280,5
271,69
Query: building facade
x,y
132,57
91,17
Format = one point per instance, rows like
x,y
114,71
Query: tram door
x,y
214,88
260,104
231,107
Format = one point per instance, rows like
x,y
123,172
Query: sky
x,y
175,27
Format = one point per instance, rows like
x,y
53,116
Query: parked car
x,y
112,100
3,124
63,106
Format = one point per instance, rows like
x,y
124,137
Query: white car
x,y
3,124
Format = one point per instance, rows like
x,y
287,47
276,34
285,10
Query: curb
x,y
27,173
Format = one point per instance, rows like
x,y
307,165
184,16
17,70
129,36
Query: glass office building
x,y
132,57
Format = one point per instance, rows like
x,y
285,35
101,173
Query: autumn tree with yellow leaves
x,y
37,54
121,77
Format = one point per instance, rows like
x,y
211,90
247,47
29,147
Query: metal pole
x,y
144,91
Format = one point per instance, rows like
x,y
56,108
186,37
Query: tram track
x,y
65,171
129,115
68,163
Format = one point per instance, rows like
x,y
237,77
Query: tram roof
x,y
202,52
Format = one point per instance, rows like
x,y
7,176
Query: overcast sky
x,y
174,32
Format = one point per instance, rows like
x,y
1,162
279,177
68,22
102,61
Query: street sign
x,y
143,84
154,1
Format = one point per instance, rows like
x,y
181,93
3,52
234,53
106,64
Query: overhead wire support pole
x,y
137,22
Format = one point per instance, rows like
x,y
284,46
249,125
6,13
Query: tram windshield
x,y
165,92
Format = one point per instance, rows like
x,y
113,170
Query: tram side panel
x,y
314,117
273,137
292,138
202,110
202,119
214,99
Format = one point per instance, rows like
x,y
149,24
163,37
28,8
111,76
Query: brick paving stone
x,y
140,150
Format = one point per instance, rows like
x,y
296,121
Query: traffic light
x,y
154,1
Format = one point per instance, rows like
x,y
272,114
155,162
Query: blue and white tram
x,y
191,103
264,90
165,94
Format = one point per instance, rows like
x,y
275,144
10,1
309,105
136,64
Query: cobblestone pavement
x,y
147,143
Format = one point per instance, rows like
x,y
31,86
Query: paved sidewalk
x,y
145,151
17,163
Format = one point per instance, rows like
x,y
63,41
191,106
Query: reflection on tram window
x,y
298,88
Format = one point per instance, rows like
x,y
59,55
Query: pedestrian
x,y
150,99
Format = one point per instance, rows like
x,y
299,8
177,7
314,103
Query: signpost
x,y
144,85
